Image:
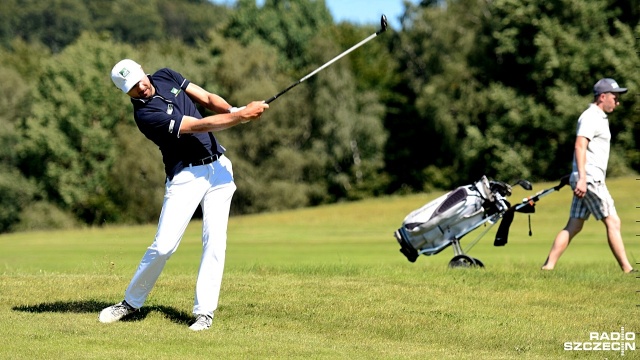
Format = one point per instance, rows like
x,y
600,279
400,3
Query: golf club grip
x,y
282,92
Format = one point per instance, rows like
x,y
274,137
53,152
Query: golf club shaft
x,y
383,28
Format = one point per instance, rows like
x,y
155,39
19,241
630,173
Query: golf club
x,y
527,206
525,184
383,28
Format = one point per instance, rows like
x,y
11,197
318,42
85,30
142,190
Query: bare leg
x,y
562,241
612,223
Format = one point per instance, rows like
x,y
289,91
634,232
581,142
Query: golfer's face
x,y
611,100
142,89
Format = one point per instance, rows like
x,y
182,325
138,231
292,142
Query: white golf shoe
x,y
116,312
203,322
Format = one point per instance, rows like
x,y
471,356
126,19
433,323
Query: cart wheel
x,y
478,262
462,261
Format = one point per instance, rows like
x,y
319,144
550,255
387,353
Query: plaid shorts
x,y
597,201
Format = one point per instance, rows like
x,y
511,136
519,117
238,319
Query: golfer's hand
x,y
253,111
581,188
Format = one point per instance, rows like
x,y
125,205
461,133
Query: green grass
x,y
325,283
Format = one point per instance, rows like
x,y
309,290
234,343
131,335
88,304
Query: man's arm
x,y
209,100
224,119
580,152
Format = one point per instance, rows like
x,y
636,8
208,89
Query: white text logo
x,y
602,341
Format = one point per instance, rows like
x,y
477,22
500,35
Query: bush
x,y
44,216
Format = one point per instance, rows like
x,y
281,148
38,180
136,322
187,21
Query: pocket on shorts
x,y
226,163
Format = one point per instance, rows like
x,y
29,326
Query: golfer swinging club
x,y
198,173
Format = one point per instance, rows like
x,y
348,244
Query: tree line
x,y
464,88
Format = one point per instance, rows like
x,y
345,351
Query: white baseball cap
x,y
126,74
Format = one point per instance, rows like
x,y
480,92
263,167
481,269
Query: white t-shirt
x,y
594,125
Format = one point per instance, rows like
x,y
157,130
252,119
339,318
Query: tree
x,y
15,190
552,53
427,124
290,34
323,140
496,90
69,141
55,23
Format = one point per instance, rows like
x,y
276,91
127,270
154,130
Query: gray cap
x,y
607,85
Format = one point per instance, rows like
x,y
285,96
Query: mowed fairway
x,y
326,283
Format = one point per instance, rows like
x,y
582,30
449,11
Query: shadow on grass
x,y
93,306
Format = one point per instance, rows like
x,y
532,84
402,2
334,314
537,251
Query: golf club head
x,y
526,184
383,23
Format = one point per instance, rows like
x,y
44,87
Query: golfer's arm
x,y
211,123
209,100
251,112
580,151
223,120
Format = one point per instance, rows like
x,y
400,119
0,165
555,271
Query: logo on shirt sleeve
x,y
172,123
175,91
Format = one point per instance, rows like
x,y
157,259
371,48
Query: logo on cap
x,y
124,72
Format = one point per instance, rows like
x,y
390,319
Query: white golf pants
x,y
212,187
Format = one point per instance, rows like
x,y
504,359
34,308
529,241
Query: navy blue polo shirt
x,y
159,119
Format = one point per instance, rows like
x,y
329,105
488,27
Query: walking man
x,y
590,193
198,173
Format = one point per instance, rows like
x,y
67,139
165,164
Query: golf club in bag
x,y
444,221
527,206
383,28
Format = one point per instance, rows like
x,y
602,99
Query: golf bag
x,y
444,221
